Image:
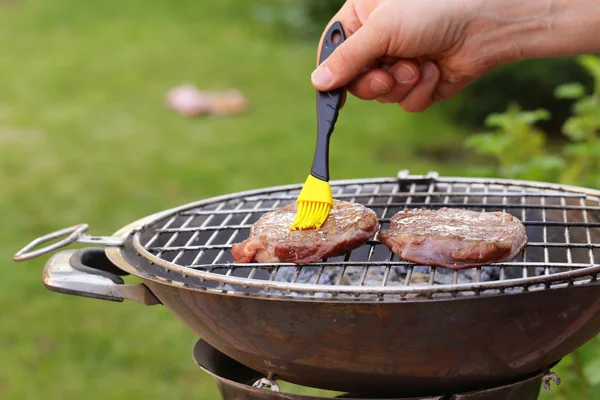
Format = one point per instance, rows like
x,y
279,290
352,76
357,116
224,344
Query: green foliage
x,y
519,150
519,146
592,372
582,128
301,19
580,374
570,91
531,83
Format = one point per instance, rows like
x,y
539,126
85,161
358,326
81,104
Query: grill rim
x,y
134,230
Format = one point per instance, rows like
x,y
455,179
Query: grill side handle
x,y
89,273
75,233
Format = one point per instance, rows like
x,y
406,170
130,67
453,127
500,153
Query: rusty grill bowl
x,y
366,322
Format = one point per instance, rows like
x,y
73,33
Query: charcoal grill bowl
x,y
236,381
424,346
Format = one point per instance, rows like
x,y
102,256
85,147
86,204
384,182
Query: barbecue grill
x,y
366,322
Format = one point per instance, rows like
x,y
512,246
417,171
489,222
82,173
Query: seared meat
x,y
454,238
348,226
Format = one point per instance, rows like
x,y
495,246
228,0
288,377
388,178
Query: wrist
x,y
510,30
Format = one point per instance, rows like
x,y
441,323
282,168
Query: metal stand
x,y
236,381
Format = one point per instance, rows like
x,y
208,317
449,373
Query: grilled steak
x,y
348,226
454,238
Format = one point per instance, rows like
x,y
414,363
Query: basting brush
x,y
315,199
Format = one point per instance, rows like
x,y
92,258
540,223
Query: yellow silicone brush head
x,y
314,203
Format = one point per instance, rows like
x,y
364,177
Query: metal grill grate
x,y
563,228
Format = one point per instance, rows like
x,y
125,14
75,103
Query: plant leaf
x,y
592,64
531,117
486,143
591,371
569,91
577,128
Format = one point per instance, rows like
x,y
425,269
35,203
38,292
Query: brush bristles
x,y
310,214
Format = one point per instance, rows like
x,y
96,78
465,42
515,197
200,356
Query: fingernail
x,y
322,76
404,74
379,86
428,70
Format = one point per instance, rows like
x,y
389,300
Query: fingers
x,y
414,88
406,75
372,84
349,59
386,84
422,95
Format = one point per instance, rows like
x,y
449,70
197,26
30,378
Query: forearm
x,y
511,30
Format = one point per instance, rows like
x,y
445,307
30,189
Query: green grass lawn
x,y
85,137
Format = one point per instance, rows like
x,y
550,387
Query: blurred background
x,y
85,137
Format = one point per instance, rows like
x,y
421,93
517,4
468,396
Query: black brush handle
x,y
328,106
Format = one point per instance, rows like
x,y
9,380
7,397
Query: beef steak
x,y
348,226
454,238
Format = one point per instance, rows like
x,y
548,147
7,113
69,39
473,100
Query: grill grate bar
x,y
296,275
194,236
408,275
247,226
484,201
390,257
525,272
251,274
447,195
562,227
525,222
176,234
209,241
514,264
466,197
274,273
422,194
340,275
234,233
432,275
228,246
386,275
411,192
371,244
567,235
363,276
430,191
319,274
415,205
156,235
545,238
587,233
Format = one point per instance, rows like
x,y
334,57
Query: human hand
x,y
413,53
418,52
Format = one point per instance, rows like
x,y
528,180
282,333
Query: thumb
x,y
349,59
